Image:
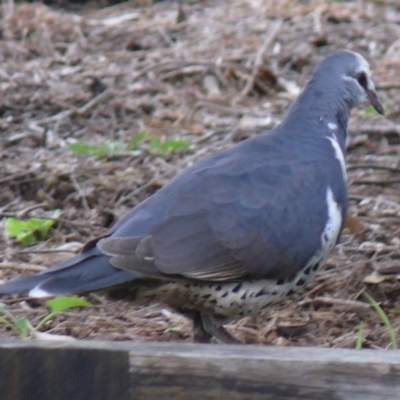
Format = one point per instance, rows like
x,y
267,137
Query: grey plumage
x,y
255,221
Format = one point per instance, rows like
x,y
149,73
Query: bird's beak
x,y
373,99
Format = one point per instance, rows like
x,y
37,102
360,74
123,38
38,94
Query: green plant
x,y
173,329
134,143
28,230
18,324
384,319
137,142
109,147
360,336
21,325
168,144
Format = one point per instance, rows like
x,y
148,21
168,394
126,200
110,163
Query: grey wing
x,y
236,219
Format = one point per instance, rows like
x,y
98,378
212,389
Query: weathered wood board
x,y
37,370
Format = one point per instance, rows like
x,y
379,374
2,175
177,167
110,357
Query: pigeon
x,y
242,228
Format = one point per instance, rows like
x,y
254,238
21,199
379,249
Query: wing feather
x,y
237,214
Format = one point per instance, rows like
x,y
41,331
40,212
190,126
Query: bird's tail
x,y
86,272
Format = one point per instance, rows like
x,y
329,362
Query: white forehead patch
x,y
362,62
363,66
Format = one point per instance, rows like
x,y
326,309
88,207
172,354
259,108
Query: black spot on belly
x,y
315,267
291,278
225,294
307,270
213,301
262,292
219,287
280,281
243,297
237,288
301,282
290,292
206,296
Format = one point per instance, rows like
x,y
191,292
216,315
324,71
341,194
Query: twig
x,y
317,18
376,182
81,110
179,64
19,175
352,167
21,266
190,70
382,130
80,192
167,39
44,252
259,58
213,107
337,302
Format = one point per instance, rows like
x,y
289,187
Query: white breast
x,y
338,154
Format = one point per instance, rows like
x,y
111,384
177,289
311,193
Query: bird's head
x,y
351,73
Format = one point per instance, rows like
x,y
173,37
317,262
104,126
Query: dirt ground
x,y
211,73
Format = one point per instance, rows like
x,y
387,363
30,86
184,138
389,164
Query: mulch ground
x,y
210,73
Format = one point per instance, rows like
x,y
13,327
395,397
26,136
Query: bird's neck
x,y
316,107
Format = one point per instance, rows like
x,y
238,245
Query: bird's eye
x,y
362,80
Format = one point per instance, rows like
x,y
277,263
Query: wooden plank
x,y
31,370
255,372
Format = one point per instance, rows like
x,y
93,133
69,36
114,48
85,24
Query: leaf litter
x,y
203,74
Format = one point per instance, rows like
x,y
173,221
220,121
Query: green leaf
x,y
18,324
168,145
6,313
136,140
384,318
8,324
173,145
22,324
109,147
173,329
18,229
155,142
64,303
116,146
61,304
90,149
360,336
31,229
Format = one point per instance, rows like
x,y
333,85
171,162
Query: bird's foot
x,y
213,327
200,335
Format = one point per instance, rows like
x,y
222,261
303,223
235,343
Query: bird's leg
x,y
214,328
200,335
